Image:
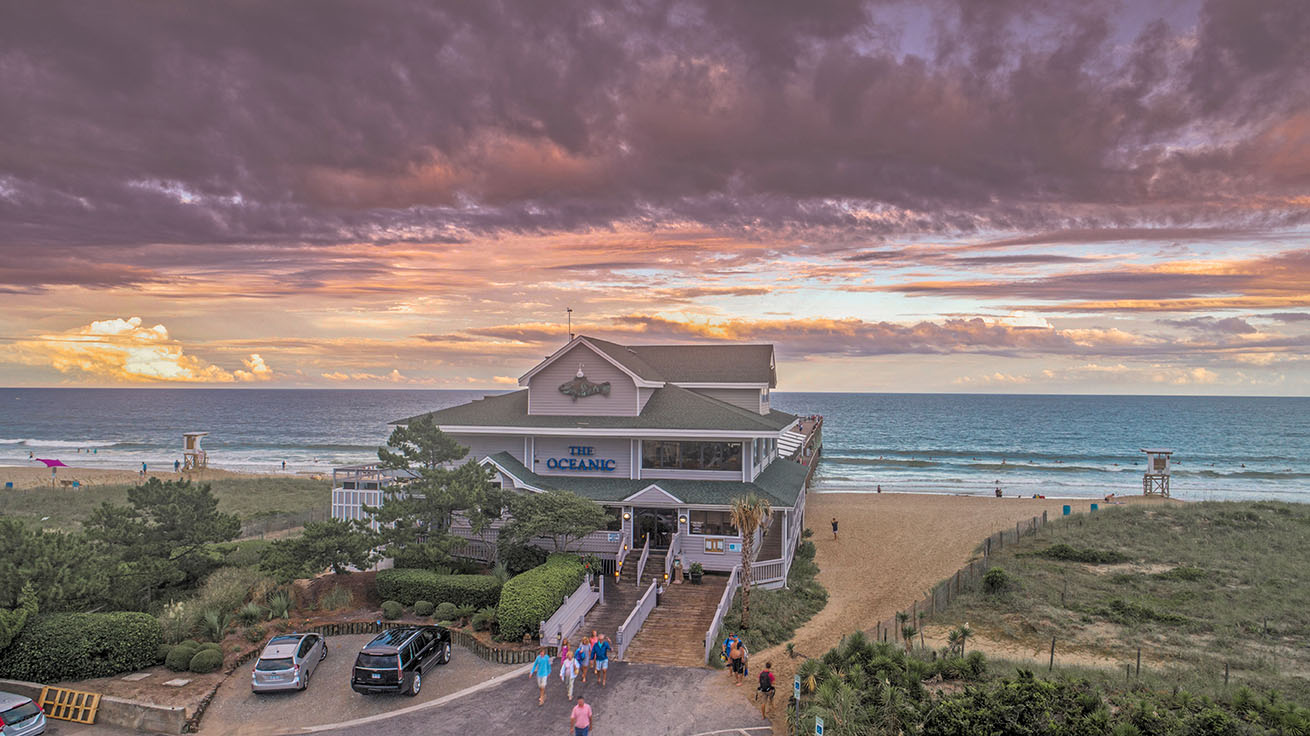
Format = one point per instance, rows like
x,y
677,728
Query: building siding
x,y
618,449
545,398
482,445
746,398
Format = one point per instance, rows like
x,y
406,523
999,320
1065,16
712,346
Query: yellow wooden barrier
x,y
69,705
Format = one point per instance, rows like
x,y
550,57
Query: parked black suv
x,y
394,662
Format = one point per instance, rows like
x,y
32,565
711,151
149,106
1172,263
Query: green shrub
x,y
179,658
518,558
392,610
995,580
464,613
178,621
424,608
484,619
336,599
212,646
215,623
77,646
776,614
279,605
254,634
206,661
446,611
1066,553
531,597
251,613
161,655
410,586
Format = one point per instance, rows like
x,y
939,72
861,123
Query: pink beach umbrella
x,y
51,463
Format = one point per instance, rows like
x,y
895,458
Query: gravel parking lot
x,y
235,711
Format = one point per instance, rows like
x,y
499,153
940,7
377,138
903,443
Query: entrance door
x,y
659,524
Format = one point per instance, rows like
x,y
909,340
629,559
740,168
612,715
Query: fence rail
x,y
725,603
641,561
568,618
632,624
620,555
475,549
262,525
966,578
769,571
675,549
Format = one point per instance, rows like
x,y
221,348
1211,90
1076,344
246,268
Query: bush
x,y
279,605
410,586
77,646
215,624
776,614
179,658
212,646
424,608
995,580
161,655
464,613
392,609
519,558
446,611
251,613
254,634
336,599
530,598
206,661
484,619
1066,553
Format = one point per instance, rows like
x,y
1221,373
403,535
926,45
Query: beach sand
x,y
891,549
37,475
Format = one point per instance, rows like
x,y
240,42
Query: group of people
x,y
734,654
592,653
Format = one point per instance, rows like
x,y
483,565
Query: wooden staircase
x,y
771,545
674,633
621,596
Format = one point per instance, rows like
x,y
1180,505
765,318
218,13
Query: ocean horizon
x,y
1073,445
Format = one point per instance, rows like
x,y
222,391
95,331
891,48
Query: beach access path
x,y
891,549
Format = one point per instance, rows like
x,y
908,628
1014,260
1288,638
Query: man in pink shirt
x,y
580,718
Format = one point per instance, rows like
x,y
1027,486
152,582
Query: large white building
x,y
663,436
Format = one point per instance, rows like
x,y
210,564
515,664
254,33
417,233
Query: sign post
x,y
818,726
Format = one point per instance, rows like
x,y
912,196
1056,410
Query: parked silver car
x,y
19,716
287,662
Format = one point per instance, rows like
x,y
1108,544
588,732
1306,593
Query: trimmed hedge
x,y
410,586
530,598
423,608
78,646
392,610
179,658
206,661
446,612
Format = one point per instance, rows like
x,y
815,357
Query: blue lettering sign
x,y
579,460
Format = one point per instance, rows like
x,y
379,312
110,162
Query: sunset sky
x,y
983,196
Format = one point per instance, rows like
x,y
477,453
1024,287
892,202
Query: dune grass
x,y
252,499
1203,585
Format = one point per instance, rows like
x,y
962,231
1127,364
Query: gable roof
x,y
729,363
669,408
780,484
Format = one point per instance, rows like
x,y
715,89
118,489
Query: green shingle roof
x,y
670,407
780,484
694,363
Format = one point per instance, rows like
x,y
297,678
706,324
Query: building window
x,y
712,522
613,519
664,455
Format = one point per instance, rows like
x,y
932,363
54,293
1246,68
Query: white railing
x,y
725,603
641,562
474,549
568,618
632,624
769,571
675,549
619,557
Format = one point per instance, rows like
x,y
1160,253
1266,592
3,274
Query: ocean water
x,y
1225,447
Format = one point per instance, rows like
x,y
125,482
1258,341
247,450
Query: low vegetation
x,y
1203,589
73,646
776,614
410,586
531,597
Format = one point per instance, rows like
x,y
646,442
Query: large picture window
x,y
717,523
674,455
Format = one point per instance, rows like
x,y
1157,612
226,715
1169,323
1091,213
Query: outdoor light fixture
x,y
666,576
682,519
626,516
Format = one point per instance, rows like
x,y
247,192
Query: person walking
x,y
580,718
600,654
834,528
541,671
568,672
593,641
177,465
737,660
766,689
582,655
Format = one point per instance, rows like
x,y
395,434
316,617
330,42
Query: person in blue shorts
x,y
541,671
582,653
601,653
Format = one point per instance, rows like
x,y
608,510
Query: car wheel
x,y
416,684
322,656
445,654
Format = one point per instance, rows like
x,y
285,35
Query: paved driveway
x,y
235,711
651,700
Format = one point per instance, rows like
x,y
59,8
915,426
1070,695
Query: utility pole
x,y
570,311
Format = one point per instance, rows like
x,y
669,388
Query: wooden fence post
x,y
1051,665
1139,662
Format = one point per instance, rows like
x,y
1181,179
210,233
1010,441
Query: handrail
x,y
769,571
619,556
632,624
641,563
725,603
569,616
675,549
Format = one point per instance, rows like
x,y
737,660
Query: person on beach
x,y
600,654
880,489
580,718
568,671
143,468
582,655
834,528
737,661
177,465
727,647
541,671
284,464
766,689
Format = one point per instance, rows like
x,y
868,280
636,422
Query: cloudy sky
x,y
947,195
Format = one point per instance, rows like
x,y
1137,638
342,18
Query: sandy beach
x,y
893,547
37,475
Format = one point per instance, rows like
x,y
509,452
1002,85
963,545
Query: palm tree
x,y
749,513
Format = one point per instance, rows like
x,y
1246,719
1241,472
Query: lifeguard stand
x,y
1156,480
193,458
